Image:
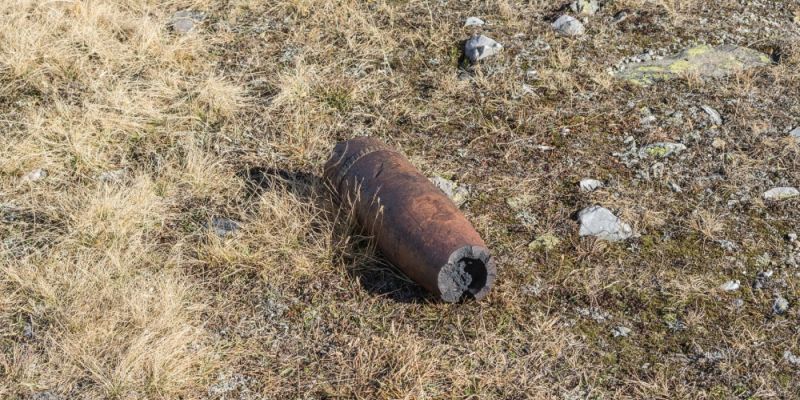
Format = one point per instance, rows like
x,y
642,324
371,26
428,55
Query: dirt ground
x,y
166,233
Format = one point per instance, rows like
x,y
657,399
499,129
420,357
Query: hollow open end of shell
x,y
469,273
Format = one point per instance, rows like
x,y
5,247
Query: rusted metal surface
x,y
415,225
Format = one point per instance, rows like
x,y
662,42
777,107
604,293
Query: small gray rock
x,y
184,21
597,314
781,193
713,115
795,133
458,194
791,358
762,278
730,286
27,331
46,395
780,305
479,47
224,226
619,17
474,21
35,175
112,176
621,331
661,150
728,245
738,303
586,7
601,223
589,185
568,26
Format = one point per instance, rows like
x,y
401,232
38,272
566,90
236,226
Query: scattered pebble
x,y
459,194
27,331
795,133
781,193
586,7
791,237
621,331
738,303
661,150
791,358
713,115
728,245
730,286
112,176
35,175
479,47
46,395
619,17
761,279
589,185
184,21
474,21
568,26
597,314
603,224
224,226
780,305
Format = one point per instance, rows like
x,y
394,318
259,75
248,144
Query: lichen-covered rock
x,y
544,242
479,47
661,150
703,60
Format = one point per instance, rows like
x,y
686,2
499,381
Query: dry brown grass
x,y
113,285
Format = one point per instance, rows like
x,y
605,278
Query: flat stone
x,y
479,47
730,286
589,185
781,193
621,331
224,226
585,7
184,21
713,115
704,60
603,224
661,150
458,194
112,176
791,358
728,245
474,21
568,26
35,175
795,133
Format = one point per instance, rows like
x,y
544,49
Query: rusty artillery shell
x,y
416,226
